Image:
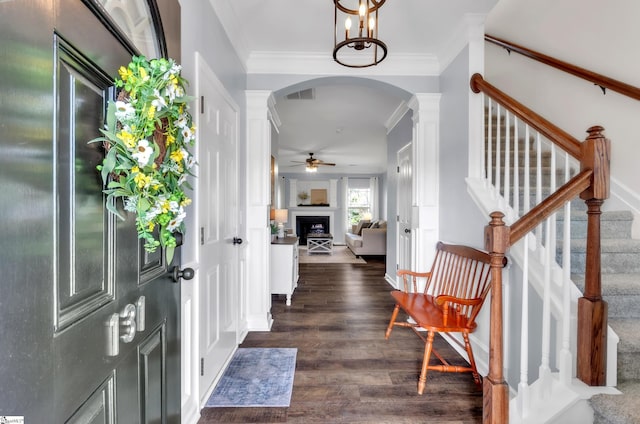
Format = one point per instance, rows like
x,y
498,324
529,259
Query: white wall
x,y
599,36
460,220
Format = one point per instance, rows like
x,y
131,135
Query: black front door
x,y
90,328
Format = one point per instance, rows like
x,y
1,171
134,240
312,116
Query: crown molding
x,y
297,63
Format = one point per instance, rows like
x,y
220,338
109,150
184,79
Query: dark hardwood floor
x,y
346,372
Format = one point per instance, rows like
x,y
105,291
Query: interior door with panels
x,y
218,214
116,344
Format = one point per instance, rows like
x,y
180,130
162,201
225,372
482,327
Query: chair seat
x,y
423,309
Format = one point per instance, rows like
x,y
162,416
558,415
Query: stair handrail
x,y
592,185
600,80
560,137
567,192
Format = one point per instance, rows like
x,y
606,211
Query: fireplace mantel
x,y
317,210
297,186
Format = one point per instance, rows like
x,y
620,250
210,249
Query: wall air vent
x,y
308,94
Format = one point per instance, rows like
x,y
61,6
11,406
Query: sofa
x,y
367,238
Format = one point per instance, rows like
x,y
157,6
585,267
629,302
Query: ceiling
x,y
342,122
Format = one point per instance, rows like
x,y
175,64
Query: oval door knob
x,y
407,230
178,273
237,240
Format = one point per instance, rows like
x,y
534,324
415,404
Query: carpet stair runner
x,y
620,260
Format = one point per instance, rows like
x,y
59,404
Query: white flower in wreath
x,y
182,179
153,212
187,134
175,222
171,92
159,101
174,206
143,153
182,122
124,111
190,162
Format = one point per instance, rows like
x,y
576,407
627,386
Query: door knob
x,y
178,273
407,231
237,240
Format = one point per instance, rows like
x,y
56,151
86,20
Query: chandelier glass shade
x,y
356,42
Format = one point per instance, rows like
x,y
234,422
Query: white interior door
x,y
218,215
404,207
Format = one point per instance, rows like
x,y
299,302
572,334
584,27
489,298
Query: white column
x,y
257,271
425,194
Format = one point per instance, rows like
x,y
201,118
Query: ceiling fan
x,y
313,163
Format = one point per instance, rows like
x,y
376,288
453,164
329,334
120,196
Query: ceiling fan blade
x,y
326,164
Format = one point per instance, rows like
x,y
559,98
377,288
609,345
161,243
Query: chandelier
x,y
360,47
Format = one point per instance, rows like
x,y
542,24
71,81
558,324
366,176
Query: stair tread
x,y
615,245
628,329
614,284
606,216
623,408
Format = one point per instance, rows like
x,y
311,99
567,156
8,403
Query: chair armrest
x,y
448,301
442,299
412,276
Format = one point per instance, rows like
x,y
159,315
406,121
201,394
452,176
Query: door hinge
x,y
398,171
201,366
397,267
201,104
397,218
201,236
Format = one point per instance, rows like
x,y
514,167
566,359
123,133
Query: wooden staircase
x,y
620,255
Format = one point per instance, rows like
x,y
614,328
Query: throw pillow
x,y
361,225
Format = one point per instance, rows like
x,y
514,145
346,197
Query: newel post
x,y
495,408
592,309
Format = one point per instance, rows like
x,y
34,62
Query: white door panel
x,y
218,212
404,207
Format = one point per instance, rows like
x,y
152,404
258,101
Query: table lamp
x,y
281,216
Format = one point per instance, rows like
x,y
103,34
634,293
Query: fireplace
x,y
311,224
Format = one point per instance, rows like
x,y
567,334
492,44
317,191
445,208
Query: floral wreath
x,y
147,162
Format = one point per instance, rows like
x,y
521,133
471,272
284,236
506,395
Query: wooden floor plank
x,y
346,372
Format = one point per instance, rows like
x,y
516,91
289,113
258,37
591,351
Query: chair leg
x,y
425,362
472,361
394,315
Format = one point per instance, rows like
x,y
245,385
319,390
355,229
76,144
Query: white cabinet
x,y
284,266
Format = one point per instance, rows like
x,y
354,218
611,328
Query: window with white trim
x,y
359,204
